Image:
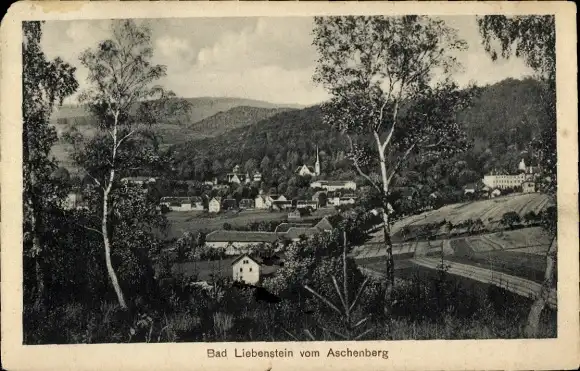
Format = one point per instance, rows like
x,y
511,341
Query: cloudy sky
x,y
269,59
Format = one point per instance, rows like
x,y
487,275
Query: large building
x,y
237,241
182,203
498,180
334,185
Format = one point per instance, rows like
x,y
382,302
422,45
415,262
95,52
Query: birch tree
x,y
388,81
127,105
45,83
533,38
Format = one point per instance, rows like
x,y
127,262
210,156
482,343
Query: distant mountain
x,y
501,122
208,117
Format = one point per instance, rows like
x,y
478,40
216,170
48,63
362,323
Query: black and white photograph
x,y
250,179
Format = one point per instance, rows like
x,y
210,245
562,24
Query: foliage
x,y
45,83
510,219
125,104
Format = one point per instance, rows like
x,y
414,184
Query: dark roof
x,y
335,182
306,202
281,202
324,224
241,236
296,232
284,227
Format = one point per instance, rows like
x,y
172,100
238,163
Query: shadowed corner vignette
x,y
289,179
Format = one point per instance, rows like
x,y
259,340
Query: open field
x,y
201,221
489,211
519,253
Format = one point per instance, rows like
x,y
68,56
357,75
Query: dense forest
x,y
500,123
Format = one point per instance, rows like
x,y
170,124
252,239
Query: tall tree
x,y
533,38
126,104
45,83
374,68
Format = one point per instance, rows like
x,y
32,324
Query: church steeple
x,y
317,164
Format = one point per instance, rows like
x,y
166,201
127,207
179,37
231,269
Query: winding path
x,y
508,282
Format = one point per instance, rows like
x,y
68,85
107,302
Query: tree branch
x,y
358,168
122,139
394,171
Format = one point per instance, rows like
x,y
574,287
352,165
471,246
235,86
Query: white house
x,y
257,176
182,203
528,187
246,269
337,201
214,205
334,185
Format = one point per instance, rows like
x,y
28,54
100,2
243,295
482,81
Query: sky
x,y
270,59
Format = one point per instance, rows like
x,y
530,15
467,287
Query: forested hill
x,y
237,117
507,113
501,121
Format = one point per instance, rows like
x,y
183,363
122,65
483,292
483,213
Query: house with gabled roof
x,y
246,203
295,233
284,227
182,203
324,225
251,269
236,241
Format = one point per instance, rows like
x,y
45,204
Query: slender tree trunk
x,y
107,242
389,261
533,325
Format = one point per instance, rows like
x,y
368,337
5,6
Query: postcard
x,y
284,185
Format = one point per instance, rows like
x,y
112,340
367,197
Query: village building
x,y
182,203
246,270
528,187
324,225
138,180
469,189
257,176
251,270
229,204
334,185
214,205
502,180
237,241
246,203
344,200
279,205
305,170
282,228
294,214
296,233
306,204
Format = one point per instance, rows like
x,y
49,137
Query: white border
x,y
560,353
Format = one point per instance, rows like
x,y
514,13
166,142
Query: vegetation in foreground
x,y
77,263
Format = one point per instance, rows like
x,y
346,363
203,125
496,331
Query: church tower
x,y
317,164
